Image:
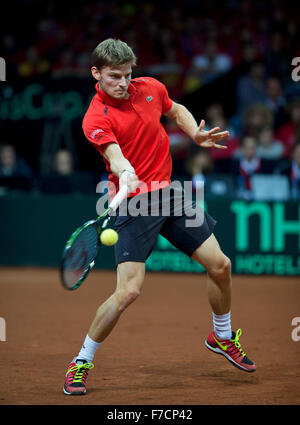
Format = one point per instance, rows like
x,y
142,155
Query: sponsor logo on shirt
x,y
149,98
95,132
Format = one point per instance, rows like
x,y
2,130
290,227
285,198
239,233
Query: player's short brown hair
x,y
112,52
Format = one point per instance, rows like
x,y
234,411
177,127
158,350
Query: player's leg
x,y
137,236
200,244
218,267
130,277
222,340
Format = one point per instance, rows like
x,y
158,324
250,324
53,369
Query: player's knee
x,y
127,296
222,268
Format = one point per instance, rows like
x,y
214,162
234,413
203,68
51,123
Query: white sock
x,y
88,349
222,325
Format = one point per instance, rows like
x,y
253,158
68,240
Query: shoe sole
x,y
219,351
74,393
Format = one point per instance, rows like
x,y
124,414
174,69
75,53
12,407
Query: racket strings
x,y
81,254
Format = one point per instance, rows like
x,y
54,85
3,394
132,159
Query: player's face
x,y
115,80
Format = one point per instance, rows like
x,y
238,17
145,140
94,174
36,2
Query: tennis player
x,y
123,124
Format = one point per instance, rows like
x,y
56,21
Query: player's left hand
x,y
209,139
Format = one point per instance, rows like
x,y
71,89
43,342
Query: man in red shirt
x,y
123,124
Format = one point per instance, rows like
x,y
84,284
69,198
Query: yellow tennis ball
x,y
109,237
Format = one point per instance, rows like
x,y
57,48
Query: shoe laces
x,y
78,372
236,342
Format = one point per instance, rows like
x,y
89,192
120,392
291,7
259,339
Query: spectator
x,y
276,57
64,163
211,64
215,117
248,164
257,117
198,165
275,100
33,64
291,169
251,87
248,53
169,71
287,132
64,178
268,146
15,173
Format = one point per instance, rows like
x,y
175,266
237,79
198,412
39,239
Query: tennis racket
x,y
82,247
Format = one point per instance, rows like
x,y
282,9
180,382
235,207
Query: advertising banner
x,y
258,237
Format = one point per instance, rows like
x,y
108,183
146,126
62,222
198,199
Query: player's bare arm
x,y
121,167
185,120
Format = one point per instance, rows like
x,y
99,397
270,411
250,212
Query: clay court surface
x,y
156,354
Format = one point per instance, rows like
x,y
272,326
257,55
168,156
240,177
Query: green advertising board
x,y
37,101
258,237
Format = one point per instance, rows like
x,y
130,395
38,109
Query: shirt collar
x,y
112,101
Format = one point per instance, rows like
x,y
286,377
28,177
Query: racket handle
x,y
120,196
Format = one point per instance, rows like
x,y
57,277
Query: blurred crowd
x,y
188,45
187,42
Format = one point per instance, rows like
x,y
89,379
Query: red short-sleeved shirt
x,y
134,124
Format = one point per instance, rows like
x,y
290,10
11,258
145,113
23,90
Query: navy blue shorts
x,y
186,227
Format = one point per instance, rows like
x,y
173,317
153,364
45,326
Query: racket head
x,y
79,254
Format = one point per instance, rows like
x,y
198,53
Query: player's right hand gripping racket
x,y
83,246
